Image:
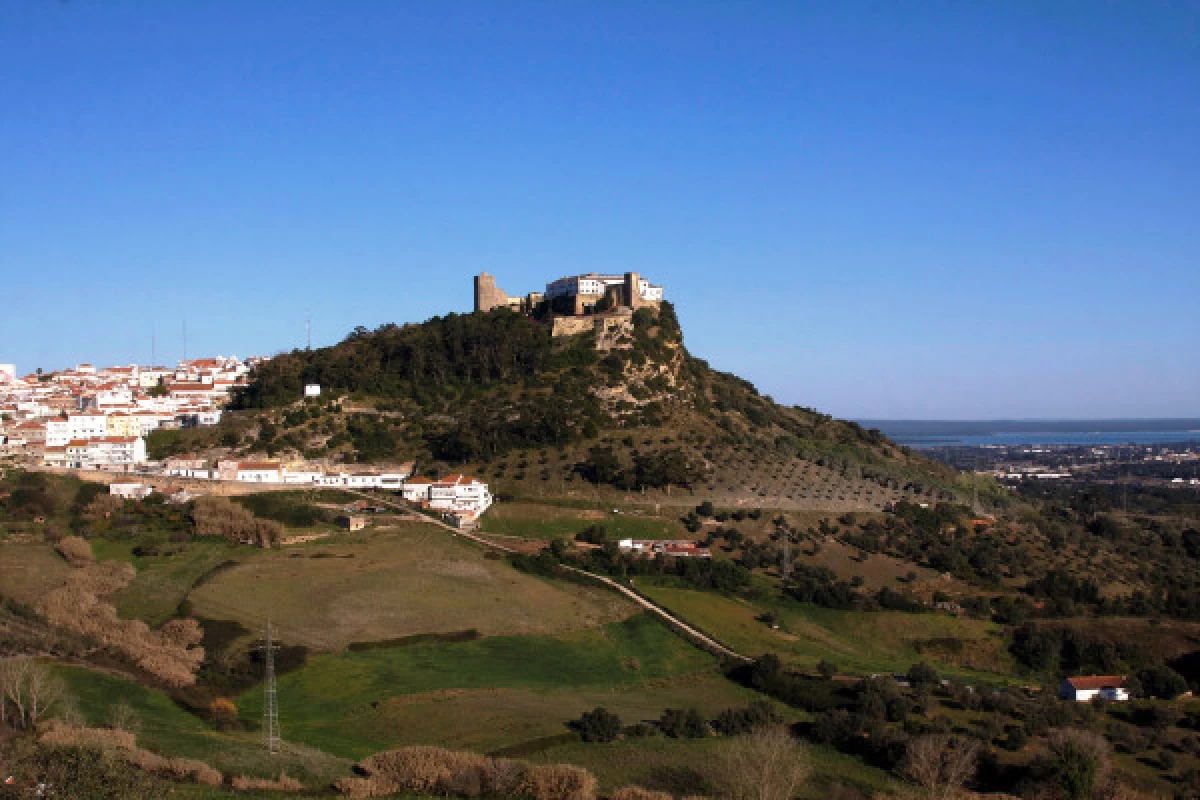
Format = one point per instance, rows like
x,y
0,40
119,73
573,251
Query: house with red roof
x,y
1083,688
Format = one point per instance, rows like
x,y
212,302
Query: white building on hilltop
x,y
584,292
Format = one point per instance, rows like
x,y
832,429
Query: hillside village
x,y
97,419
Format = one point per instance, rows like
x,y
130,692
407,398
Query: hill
x,y
627,409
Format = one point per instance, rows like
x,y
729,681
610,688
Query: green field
x,y
545,521
166,728
858,642
418,579
162,582
493,692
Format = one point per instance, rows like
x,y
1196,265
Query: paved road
x,y
695,635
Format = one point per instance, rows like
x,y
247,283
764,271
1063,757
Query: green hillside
x,y
541,416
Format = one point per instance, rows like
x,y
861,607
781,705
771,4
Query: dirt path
x,y
689,632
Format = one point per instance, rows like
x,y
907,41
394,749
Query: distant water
x,y
991,433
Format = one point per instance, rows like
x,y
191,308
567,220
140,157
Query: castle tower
x,y
487,295
633,293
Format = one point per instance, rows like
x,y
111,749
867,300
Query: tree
x,y
767,764
598,725
922,674
28,692
1077,762
1162,682
940,765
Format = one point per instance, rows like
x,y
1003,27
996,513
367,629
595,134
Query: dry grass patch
x,y
417,580
28,571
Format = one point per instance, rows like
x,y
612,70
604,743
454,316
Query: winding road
x,y
689,632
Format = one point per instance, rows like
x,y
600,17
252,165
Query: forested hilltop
x,y
636,411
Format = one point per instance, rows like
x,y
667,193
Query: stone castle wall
x,y
488,296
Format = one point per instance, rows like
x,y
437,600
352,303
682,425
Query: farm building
x,y
1082,688
352,522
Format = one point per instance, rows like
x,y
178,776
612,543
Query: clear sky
x,y
886,209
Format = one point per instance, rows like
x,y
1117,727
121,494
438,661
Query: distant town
x,y
91,419
1165,465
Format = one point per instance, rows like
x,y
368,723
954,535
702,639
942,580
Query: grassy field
x,y
27,571
492,692
162,582
858,642
688,766
545,521
166,728
376,587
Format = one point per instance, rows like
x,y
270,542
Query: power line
x,y
270,727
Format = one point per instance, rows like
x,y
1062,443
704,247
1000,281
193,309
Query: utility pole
x,y
270,725
308,332
185,339
153,345
785,569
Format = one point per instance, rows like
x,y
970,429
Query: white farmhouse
x,y
1082,688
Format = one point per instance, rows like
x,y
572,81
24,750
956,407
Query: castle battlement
x,y
573,296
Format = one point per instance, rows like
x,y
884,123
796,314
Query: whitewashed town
x,y
91,419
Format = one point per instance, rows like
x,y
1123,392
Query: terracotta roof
x,y
257,465
1087,682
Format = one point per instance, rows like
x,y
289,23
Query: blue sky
x,y
916,210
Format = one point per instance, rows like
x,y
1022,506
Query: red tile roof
x,y
1087,682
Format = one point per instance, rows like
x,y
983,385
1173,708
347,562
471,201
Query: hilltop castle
x,y
573,296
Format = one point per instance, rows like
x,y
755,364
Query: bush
x,y
679,724
76,551
734,721
217,516
638,793
1163,683
598,725
80,772
437,771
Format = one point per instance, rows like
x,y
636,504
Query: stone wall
x,y
487,295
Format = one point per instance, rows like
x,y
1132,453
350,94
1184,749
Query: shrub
x,y
734,721
558,782
435,770
598,725
638,793
217,516
1077,762
281,784
76,551
679,724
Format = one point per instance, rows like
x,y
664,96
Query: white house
x,y
259,472
1082,688
75,426
130,490
416,490
459,493
107,452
